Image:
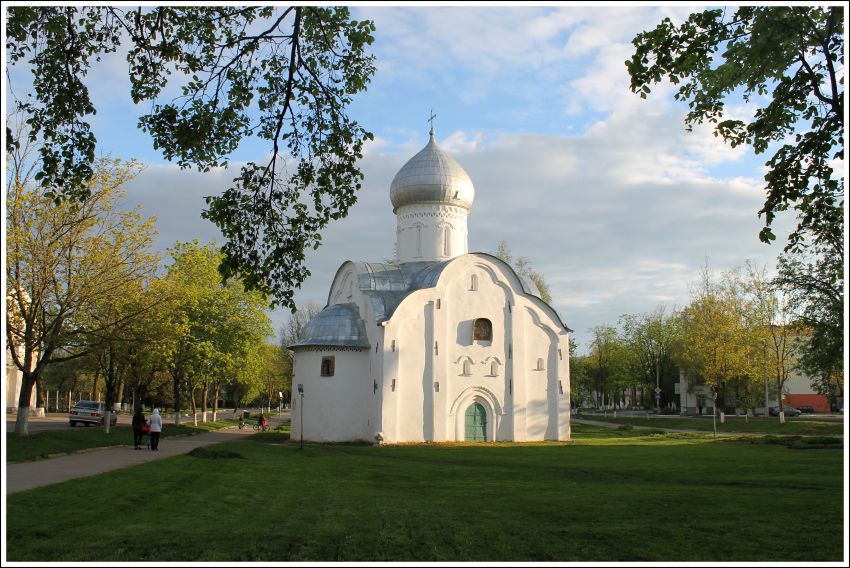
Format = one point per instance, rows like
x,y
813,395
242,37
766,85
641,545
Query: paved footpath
x,y
27,475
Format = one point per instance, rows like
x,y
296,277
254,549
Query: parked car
x,y
789,411
806,409
89,412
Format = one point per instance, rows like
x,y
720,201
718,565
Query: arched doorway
x,y
476,423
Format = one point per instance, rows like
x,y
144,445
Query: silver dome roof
x,y
339,325
432,176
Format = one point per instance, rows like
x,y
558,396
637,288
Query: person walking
x,y
138,424
155,422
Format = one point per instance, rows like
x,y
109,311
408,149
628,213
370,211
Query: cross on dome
x,y
431,120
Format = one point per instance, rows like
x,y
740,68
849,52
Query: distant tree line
x,y
91,308
738,332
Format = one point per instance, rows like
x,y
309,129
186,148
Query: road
x,y
59,420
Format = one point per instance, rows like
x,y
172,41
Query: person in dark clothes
x,y
138,424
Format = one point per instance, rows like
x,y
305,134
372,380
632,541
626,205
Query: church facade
x,y
442,344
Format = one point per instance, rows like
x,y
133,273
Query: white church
x,y
442,345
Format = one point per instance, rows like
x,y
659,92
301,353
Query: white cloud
x,y
618,214
618,219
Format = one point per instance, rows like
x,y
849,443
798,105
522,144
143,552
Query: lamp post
x,y
301,392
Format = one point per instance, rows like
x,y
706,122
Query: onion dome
x,y
432,177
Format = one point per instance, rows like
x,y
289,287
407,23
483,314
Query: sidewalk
x,y
27,475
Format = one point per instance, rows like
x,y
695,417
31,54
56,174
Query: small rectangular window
x,y
560,388
438,303
560,356
393,385
328,366
436,387
393,345
436,348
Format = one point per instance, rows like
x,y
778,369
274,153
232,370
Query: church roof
x,y
432,176
339,325
387,285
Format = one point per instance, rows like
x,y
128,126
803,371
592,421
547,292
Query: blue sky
x,y
605,193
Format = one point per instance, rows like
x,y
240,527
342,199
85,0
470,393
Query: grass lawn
x,y
46,442
792,426
607,496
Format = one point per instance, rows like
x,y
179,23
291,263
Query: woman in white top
x,y
155,422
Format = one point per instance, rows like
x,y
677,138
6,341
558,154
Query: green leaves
x,y
285,74
785,56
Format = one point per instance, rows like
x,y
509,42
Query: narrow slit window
x,y
540,365
473,282
328,366
466,369
446,245
494,369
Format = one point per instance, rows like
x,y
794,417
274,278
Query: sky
x,y
606,194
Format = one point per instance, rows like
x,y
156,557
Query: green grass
x,y
607,496
807,427
47,442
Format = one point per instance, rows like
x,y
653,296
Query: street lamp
x,y
301,392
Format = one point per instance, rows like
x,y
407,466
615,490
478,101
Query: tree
x,y
522,266
651,338
222,326
118,322
607,365
772,323
62,260
814,284
794,57
719,337
296,324
284,74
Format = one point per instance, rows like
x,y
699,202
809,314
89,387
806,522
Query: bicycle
x,y
261,427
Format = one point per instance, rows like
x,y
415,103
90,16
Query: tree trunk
x,y
39,393
216,390
119,391
204,391
235,400
109,381
176,380
194,406
28,381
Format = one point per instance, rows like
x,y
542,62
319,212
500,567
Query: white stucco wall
x,y
336,408
432,331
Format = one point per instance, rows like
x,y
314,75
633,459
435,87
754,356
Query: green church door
x,y
476,423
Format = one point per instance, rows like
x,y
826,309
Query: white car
x,y
90,412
